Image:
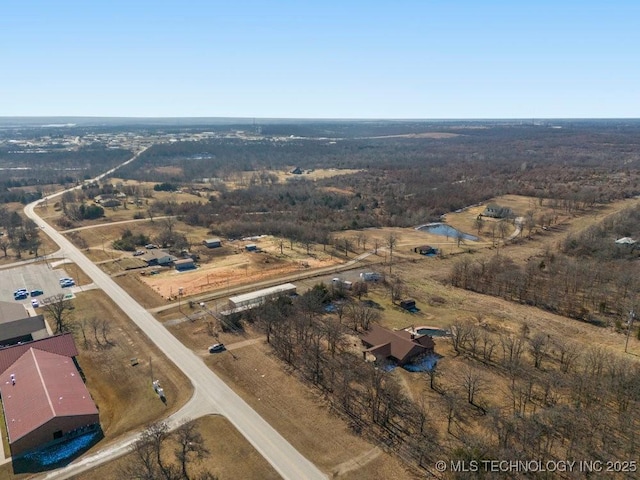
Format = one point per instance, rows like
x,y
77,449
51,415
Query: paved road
x,y
120,222
211,393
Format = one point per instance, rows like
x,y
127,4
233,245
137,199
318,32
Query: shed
x,y
408,304
426,250
212,243
184,264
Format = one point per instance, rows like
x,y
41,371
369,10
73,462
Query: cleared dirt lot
x,y
232,265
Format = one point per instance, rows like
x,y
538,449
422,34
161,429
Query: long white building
x,y
253,299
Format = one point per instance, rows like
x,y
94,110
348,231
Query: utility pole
x,y
632,316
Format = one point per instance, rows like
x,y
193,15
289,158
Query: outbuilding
x,y
184,264
212,243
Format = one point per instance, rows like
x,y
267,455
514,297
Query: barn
x,y
44,398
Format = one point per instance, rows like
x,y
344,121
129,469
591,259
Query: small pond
x,y
445,230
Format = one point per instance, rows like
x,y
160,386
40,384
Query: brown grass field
x,y
297,411
231,456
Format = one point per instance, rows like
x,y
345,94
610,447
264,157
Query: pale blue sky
x,y
328,59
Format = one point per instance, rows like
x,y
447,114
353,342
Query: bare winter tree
x,y
473,383
190,447
60,310
538,346
391,244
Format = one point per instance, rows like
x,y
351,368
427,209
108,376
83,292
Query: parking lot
x,y
32,277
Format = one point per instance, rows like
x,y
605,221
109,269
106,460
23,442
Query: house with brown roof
x,y
44,398
398,346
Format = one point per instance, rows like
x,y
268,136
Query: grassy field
x,y
231,456
298,412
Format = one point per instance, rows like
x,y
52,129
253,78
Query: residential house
x,y
397,346
158,257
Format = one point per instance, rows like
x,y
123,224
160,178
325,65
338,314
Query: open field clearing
x,y
123,392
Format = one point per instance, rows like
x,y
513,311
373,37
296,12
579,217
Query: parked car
x,y
35,303
137,253
216,347
65,279
68,283
21,291
21,296
36,293
150,246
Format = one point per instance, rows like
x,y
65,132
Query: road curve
x,y
209,388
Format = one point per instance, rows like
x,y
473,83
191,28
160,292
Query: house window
x,y
57,434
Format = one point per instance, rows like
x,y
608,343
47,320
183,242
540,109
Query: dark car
x,y
20,296
216,347
36,293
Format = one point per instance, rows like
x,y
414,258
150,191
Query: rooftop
x,y
40,386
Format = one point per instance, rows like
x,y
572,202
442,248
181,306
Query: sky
x,y
404,59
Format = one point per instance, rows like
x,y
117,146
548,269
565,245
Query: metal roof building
x,y
45,400
260,296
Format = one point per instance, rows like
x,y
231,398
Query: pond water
x,y
445,230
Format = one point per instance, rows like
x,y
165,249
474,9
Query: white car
x,y
35,303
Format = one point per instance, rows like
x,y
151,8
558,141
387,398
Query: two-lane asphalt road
x,y
209,388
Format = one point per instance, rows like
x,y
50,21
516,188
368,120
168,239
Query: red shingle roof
x,y
47,385
60,344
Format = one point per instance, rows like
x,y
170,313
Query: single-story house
x,y
158,257
212,243
398,346
17,325
496,211
44,398
426,250
184,264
